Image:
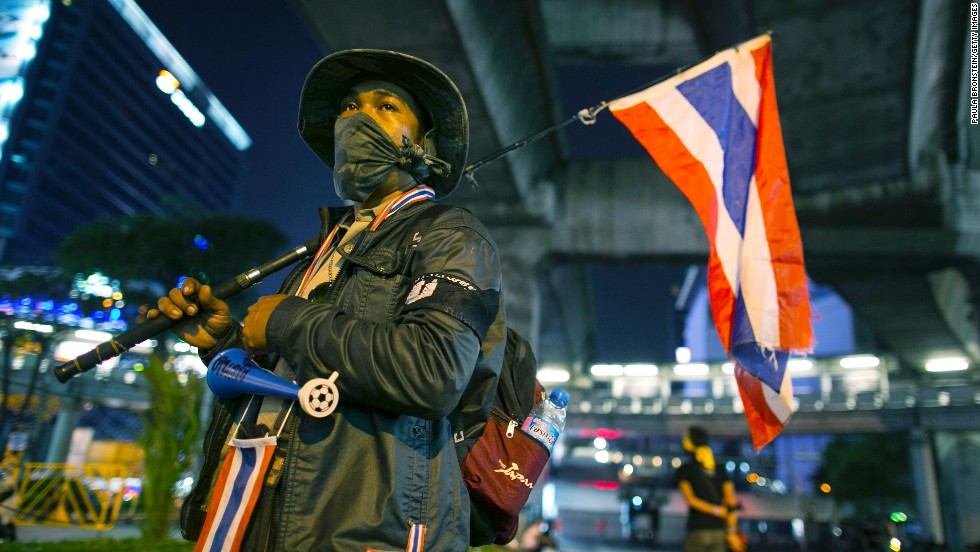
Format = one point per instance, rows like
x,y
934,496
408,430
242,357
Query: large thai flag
x,y
714,131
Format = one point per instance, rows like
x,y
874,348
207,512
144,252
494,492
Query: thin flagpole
x,y
586,116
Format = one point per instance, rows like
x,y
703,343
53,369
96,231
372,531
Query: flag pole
x,y
586,116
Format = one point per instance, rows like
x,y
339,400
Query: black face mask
x,y
364,156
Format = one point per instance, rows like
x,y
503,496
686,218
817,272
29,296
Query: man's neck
x,y
373,203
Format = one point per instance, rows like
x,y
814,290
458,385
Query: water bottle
x,y
547,420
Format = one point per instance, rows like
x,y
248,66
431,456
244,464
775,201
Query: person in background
x,y
712,524
407,311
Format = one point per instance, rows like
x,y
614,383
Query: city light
x,y
41,328
640,370
696,369
187,108
860,361
553,375
606,370
950,364
166,82
799,365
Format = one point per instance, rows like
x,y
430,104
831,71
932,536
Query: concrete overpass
x,y
873,106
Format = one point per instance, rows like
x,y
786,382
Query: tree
x,y
172,426
869,472
147,247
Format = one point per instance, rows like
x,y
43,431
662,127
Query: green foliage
x,y
161,249
869,472
101,545
172,425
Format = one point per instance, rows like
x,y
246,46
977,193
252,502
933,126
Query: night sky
x,y
254,57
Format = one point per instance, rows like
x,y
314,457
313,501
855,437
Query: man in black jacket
x,y
710,496
408,313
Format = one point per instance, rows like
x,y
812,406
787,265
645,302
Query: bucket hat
x,y
333,75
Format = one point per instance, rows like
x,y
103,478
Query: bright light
x,y
628,469
553,375
167,83
640,370
859,361
190,363
602,456
11,91
657,461
93,335
895,544
728,368
189,109
599,443
637,501
691,370
68,349
825,488
42,328
676,462
682,355
607,370
951,364
799,365
797,525
549,506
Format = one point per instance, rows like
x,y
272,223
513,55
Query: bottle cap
x,y
559,397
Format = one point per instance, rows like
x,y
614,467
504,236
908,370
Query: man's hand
x,y
253,331
205,318
735,541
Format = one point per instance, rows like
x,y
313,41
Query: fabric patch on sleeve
x,y
456,297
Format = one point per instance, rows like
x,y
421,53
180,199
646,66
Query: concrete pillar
x,y
64,426
957,456
926,485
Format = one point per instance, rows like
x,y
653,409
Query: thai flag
x,y
714,131
235,494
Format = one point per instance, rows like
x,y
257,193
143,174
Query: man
x,y
710,495
407,312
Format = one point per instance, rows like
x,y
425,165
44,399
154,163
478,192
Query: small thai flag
x,y
235,493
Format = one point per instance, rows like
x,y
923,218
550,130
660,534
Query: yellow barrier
x,y
87,496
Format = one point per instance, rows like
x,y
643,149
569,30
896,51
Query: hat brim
x,y
333,76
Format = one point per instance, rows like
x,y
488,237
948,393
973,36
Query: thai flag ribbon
x,y
714,131
235,494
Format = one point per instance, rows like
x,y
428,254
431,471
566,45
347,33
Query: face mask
x,y
364,156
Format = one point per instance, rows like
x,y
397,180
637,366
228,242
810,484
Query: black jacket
x,y
414,326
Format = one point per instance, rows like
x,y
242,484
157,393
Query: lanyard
x,y
415,195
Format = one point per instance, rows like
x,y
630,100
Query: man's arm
x,y
421,362
696,503
728,492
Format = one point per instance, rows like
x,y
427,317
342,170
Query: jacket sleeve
x,y
421,362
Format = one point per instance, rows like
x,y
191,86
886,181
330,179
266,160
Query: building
x,y
99,115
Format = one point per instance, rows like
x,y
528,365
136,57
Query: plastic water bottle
x,y
547,420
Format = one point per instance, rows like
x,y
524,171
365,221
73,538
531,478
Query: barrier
x,y
62,495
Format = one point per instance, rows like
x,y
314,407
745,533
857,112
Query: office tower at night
x,y
99,115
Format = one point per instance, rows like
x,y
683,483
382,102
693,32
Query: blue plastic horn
x,y
233,372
